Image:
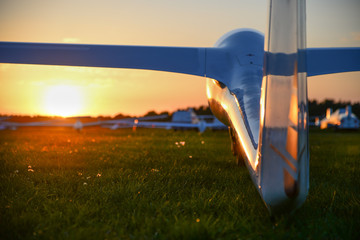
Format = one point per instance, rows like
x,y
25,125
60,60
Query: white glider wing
x,y
171,59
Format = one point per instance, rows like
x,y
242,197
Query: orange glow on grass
x,y
63,100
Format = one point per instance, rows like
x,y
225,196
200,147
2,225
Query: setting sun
x,y
63,100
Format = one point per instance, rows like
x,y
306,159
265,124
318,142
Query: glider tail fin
x,y
284,150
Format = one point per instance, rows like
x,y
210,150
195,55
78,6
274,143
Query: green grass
x,y
102,184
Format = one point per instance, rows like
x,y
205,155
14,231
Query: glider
x,y
343,118
77,125
182,120
14,125
260,93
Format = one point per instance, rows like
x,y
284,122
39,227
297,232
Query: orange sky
x,y
25,88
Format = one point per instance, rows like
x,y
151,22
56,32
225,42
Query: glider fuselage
x,y
237,104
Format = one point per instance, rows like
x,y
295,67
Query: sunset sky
x,y
29,89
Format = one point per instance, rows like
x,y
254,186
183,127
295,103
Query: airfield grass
x,y
157,184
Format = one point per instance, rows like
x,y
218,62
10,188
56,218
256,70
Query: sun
x,y
63,100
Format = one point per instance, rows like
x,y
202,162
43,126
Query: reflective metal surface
x,y
242,56
284,162
271,130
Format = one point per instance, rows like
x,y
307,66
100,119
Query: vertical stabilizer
x,y
328,113
284,151
348,110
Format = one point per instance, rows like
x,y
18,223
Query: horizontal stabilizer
x,y
171,59
332,60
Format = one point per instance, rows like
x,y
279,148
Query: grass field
x,y
157,184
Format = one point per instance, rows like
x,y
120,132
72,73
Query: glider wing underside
x,y
171,59
332,60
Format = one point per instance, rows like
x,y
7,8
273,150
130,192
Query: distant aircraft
x,y
261,94
128,122
4,118
15,125
181,120
216,125
78,125
185,120
343,118
3,126
185,116
201,125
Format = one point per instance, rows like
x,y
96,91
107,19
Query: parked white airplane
x,y
128,122
184,120
343,118
4,118
78,125
261,94
201,125
3,126
15,125
216,125
185,116
180,120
